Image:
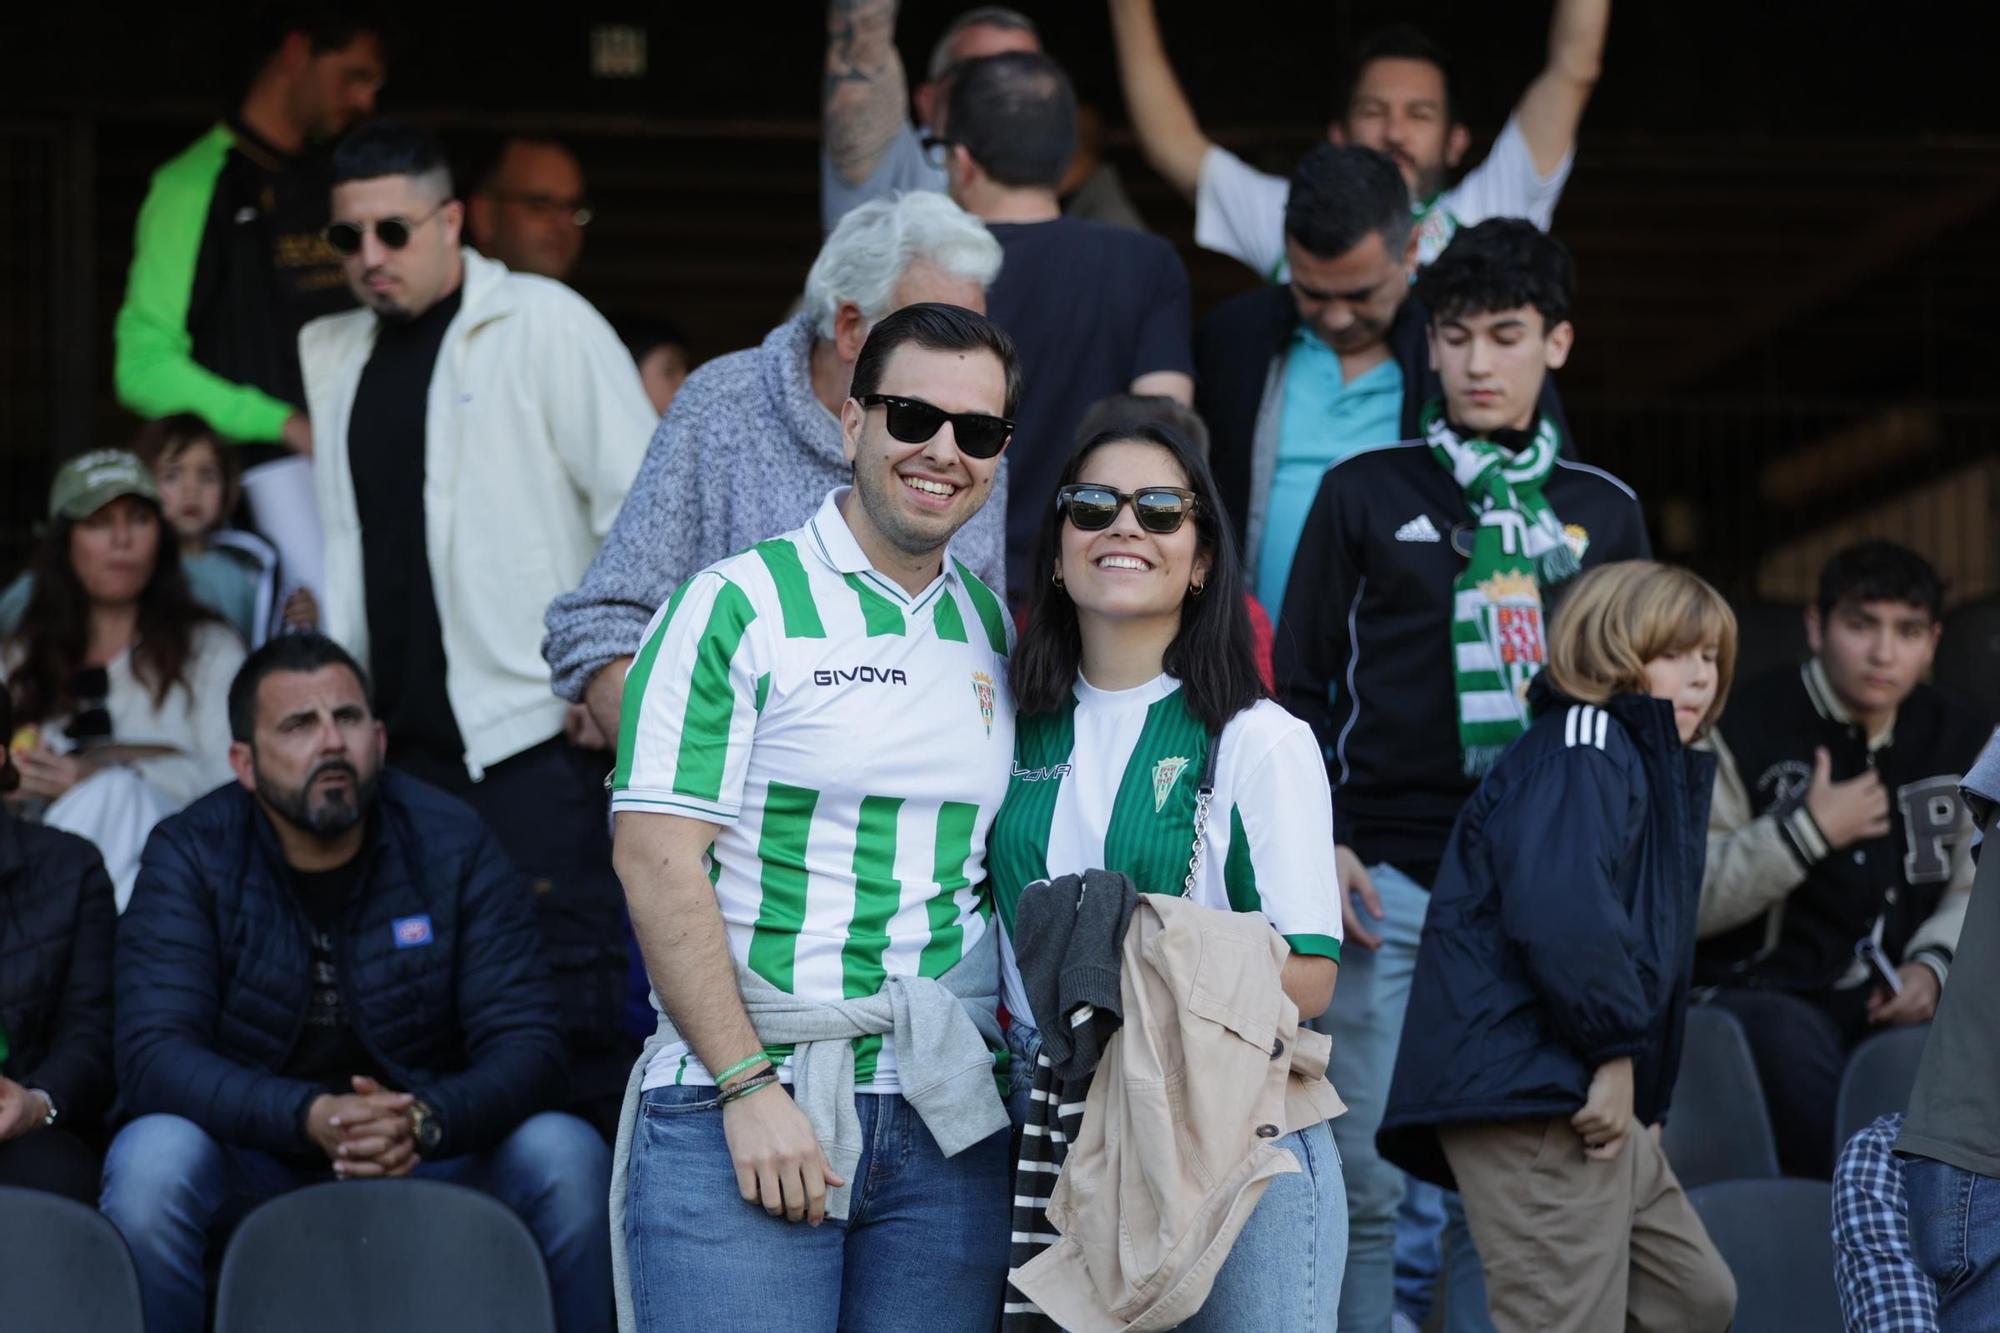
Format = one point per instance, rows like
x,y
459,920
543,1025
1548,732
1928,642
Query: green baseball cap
x,y
91,481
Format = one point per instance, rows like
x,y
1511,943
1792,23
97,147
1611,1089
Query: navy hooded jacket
x,y
1561,928
440,965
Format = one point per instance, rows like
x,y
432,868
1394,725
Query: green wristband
x,y
740,1066
745,1088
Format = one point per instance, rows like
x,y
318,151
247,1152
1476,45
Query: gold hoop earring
x,y
1196,589
1055,576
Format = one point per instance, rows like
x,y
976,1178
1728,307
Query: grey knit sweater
x,y
745,452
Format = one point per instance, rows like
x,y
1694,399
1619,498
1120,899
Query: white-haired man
x,y
752,442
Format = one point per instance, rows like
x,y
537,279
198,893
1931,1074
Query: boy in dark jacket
x,y
56,923
1544,1023
329,971
1839,845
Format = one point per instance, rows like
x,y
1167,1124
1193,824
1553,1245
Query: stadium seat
x,y
63,1266
1968,657
1777,1237
383,1255
1718,1127
1768,635
1878,1079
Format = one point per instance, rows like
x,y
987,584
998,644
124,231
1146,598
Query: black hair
x,y
1015,115
1342,194
328,25
390,148
1879,571
304,652
642,333
1500,264
1121,410
1399,41
1212,655
935,327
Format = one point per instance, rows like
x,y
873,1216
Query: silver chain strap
x,y
1201,800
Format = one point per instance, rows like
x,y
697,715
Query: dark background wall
x,y
1783,215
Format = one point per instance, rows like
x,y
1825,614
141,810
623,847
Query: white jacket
x,y
535,428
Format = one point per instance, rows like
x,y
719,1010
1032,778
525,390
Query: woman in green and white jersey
x,y
1136,659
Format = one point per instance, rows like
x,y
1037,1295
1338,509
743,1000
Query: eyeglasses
x,y
913,421
395,233
574,211
1159,509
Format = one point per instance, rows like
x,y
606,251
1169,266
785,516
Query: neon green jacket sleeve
x,y
155,370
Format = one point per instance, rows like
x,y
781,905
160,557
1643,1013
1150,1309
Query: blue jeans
x,y
1366,1024
1367,1027
173,1192
1298,1229
923,1250
1419,1223
1955,1238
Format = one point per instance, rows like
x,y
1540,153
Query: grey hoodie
x,y
745,452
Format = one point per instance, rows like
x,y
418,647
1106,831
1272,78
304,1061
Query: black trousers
x,y
549,811
53,1160
1801,1044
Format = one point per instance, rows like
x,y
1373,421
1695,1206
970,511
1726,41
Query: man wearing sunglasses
x,y
228,263
819,736
530,208
753,443
478,430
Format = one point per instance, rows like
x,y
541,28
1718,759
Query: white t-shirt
x,y
1240,211
851,740
1111,784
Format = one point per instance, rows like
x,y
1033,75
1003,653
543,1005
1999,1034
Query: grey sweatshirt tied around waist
x,y
944,1029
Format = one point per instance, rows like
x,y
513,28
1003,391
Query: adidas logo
x,y
1419,529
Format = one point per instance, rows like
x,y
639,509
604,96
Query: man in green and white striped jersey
x,y
816,735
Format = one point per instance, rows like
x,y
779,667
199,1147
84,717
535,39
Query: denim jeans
x,y
1298,1229
1955,1238
1419,1224
173,1192
1366,1024
923,1250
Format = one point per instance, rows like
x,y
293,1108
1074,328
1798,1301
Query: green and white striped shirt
x,y
853,743
1110,782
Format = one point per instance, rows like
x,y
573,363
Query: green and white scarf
x,y
1498,639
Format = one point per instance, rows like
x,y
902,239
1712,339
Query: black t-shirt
x,y
385,445
1091,307
328,1052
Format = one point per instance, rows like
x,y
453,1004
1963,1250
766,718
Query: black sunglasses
x,y
913,421
395,233
1160,509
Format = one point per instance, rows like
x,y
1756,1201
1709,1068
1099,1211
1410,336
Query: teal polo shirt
x,y
1323,419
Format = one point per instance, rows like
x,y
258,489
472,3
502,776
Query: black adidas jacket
x,y
1363,649
1782,909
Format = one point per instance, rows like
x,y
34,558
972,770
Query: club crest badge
x,y
982,689
1165,774
1578,538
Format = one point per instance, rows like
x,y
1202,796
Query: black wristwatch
x,y
424,1125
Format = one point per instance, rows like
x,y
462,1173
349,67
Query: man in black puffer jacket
x,y
56,923
332,971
